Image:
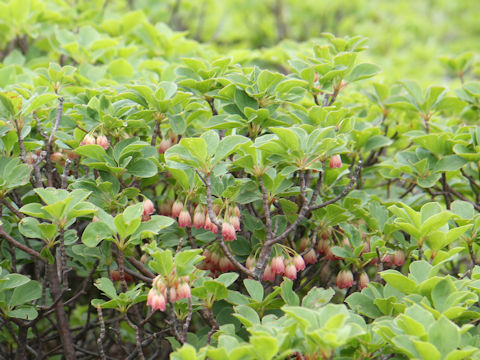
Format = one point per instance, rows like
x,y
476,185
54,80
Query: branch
x,y
346,190
266,208
102,333
57,121
140,267
12,209
15,243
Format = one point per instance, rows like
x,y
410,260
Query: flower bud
x,y
210,226
183,291
268,274
56,157
235,221
299,263
88,140
323,246
228,231
250,263
310,257
344,279
224,264
335,162
184,219
148,207
291,271
164,145
398,258
278,267
199,219
304,243
103,142
363,281
177,208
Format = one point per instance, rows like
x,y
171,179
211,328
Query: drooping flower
x,y
148,207
183,291
199,219
88,140
103,142
156,300
184,219
344,279
268,274
228,231
310,257
335,162
298,262
363,281
164,145
291,271
398,258
210,226
235,221
177,208
278,267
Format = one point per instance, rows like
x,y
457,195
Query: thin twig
x,y
15,243
102,333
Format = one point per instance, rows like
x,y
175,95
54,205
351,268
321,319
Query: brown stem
x,y
12,209
137,337
208,315
63,258
102,333
62,323
156,131
21,145
140,267
346,190
15,243
266,208
22,342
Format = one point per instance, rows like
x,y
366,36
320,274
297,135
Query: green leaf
x,y
92,151
104,284
228,279
163,262
120,68
217,289
399,281
95,232
228,145
29,227
254,288
247,315
197,147
23,294
25,313
38,101
288,294
363,71
444,335
265,346
11,281
142,168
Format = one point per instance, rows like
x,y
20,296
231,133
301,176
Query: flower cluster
x,y
279,265
166,290
201,220
215,261
101,140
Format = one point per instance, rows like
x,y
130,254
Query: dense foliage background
x,y
229,180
